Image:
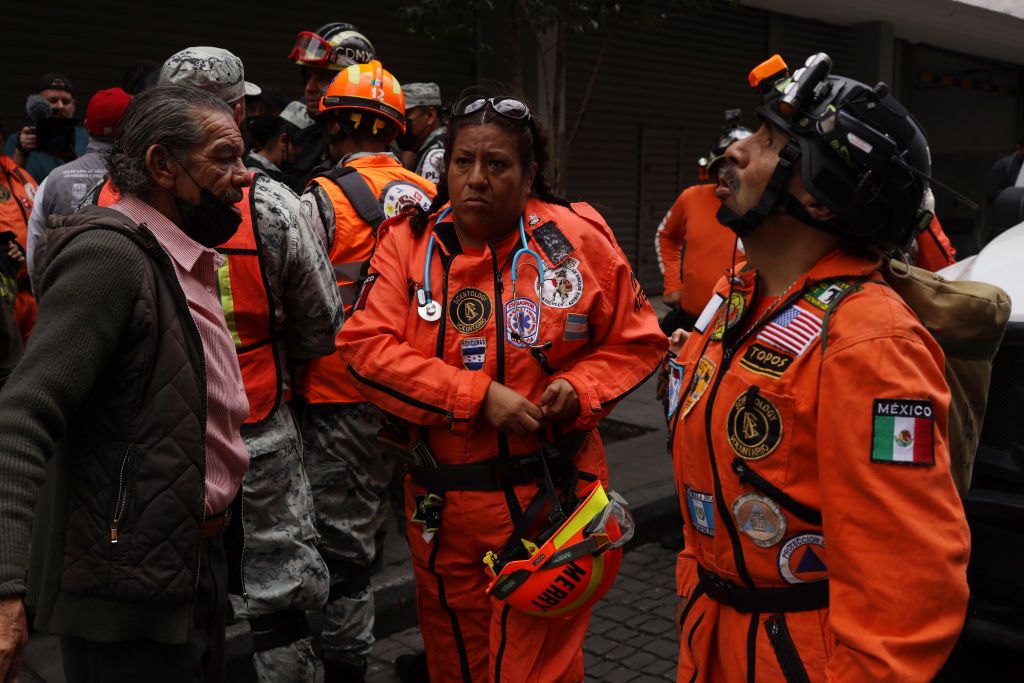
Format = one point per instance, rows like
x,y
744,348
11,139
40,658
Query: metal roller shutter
x,y
660,96
93,46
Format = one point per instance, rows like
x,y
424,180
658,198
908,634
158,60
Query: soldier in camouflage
x,y
424,129
282,573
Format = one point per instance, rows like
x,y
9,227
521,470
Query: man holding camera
x,y
50,137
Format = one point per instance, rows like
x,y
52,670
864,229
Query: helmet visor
x,y
310,50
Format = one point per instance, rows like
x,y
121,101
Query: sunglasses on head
x,y
509,107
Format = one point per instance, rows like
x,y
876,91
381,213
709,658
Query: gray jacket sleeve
x,y
302,277
86,299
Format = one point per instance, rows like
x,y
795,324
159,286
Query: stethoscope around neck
x,y
430,310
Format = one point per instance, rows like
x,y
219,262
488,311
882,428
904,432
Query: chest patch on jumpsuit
x,y
700,382
552,242
701,507
754,426
562,286
469,310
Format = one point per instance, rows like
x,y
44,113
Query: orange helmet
x,y
366,87
575,566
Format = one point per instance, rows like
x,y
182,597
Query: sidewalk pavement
x,y
640,469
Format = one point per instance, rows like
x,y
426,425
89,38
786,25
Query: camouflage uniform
x,y
283,574
430,155
350,473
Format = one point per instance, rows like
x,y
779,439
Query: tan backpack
x,y
968,320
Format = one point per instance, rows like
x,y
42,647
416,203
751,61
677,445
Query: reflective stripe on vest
x,y
249,314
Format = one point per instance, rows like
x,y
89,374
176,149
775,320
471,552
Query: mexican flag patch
x,y
902,432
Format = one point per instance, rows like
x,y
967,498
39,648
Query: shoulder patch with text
x,y
902,432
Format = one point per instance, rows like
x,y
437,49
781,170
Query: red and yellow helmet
x,y
367,87
574,567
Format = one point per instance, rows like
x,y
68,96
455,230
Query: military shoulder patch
x,y
902,432
766,361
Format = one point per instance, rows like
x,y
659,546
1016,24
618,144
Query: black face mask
x,y
212,221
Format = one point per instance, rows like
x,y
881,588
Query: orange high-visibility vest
x,y
249,314
248,310
395,188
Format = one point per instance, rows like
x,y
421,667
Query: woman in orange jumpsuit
x,y
825,540
455,334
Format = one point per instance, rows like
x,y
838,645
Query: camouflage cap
x,y
422,95
208,68
297,115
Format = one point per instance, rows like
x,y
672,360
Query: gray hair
x,y
165,115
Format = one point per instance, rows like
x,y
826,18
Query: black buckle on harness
x,y
798,598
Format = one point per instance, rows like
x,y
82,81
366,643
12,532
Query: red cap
x,y
105,110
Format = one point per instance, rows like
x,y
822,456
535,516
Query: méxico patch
x,y
469,310
765,361
754,427
702,511
902,432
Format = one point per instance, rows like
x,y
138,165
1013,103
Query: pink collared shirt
x,y
227,407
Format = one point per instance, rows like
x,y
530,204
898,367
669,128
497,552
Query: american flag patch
x,y
793,330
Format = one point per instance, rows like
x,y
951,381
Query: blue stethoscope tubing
x,y
430,311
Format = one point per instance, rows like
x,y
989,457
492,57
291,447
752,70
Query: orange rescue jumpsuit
x,y
817,473
17,192
604,341
694,249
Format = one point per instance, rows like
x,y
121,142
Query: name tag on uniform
x,y
709,312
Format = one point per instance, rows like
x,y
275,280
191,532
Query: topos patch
x,y
802,559
762,360
699,384
399,195
754,426
760,518
522,316
364,292
562,286
675,385
701,507
902,432
734,309
469,310
474,352
823,294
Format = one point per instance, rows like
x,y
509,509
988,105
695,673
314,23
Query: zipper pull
x,y
113,533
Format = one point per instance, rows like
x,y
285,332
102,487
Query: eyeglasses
x,y
509,107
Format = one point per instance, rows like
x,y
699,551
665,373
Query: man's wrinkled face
x,y
215,163
62,103
744,172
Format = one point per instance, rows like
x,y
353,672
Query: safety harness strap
x,y
797,598
359,194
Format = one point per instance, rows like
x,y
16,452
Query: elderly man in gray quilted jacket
x,y
282,573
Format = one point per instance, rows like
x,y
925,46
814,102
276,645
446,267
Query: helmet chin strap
x,y
774,194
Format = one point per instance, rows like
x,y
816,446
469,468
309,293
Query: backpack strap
x,y
359,194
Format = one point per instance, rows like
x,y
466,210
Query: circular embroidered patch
x,y
469,310
563,285
734,307
521,316
760,519
754,430
801,559
398,196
